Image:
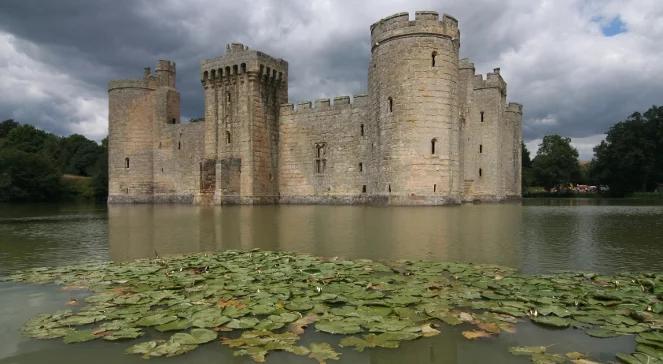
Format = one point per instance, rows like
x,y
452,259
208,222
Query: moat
x,y
537,236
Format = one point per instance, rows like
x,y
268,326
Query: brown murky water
x,y
535,236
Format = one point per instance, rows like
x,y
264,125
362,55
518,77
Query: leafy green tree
x,y
27,176
631,157
556,162
29,139
100,176
6,126
79,155
527,178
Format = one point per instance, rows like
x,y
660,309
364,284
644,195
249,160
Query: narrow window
x,y
433,58
435,188
228,140
318,168
228,71
363,189
235,69
213,74
228,97
243,67
480,172
480,148
482,116
126,162
179,145
432,145
174,121
389,188
391,104
361,167
161,169
362,129
205,76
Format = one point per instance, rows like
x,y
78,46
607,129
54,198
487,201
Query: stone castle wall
x,y
430,130
326,151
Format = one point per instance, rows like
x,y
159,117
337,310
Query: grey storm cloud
x,y
578,66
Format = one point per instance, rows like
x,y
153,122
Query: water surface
x,y
535,236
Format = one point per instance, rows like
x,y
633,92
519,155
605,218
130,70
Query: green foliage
x,y
100,174
27,176
6,126
631,157
556,162
32,164
245,297
79,155
527,178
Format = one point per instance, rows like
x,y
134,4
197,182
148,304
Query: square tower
x,y
243,92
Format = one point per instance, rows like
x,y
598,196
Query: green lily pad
x,y
551,321
338,327
79,337
527,350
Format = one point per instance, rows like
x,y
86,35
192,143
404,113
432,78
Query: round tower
x,y
413,77
130,137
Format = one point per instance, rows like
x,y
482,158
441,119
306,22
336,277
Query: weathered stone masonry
x,y
430,131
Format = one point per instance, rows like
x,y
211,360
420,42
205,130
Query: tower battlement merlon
x,y
339,103
493,80
240,60
426,23
465,63
514,107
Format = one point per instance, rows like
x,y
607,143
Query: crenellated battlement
x,y
147,84
425,23
240,60
514,107
339,103
465,63
492,80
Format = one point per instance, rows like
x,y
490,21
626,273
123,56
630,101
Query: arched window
x,y
213,74
243,67
205,76
361,127
390,104
433,58
228,140
432,145
126,162
228,71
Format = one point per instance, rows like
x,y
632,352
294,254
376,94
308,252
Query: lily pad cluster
x,y
257,302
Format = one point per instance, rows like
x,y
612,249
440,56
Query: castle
x,y
429,132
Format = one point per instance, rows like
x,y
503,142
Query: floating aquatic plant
x,y
271,298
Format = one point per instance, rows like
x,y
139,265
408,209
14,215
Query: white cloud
x,y
38,93
572,79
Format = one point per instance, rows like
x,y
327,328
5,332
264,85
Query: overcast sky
x,y
577,66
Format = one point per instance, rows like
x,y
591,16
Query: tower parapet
x,y
239,60
492,80
426,23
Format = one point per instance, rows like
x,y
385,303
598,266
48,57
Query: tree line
x,y
39,166
629,160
